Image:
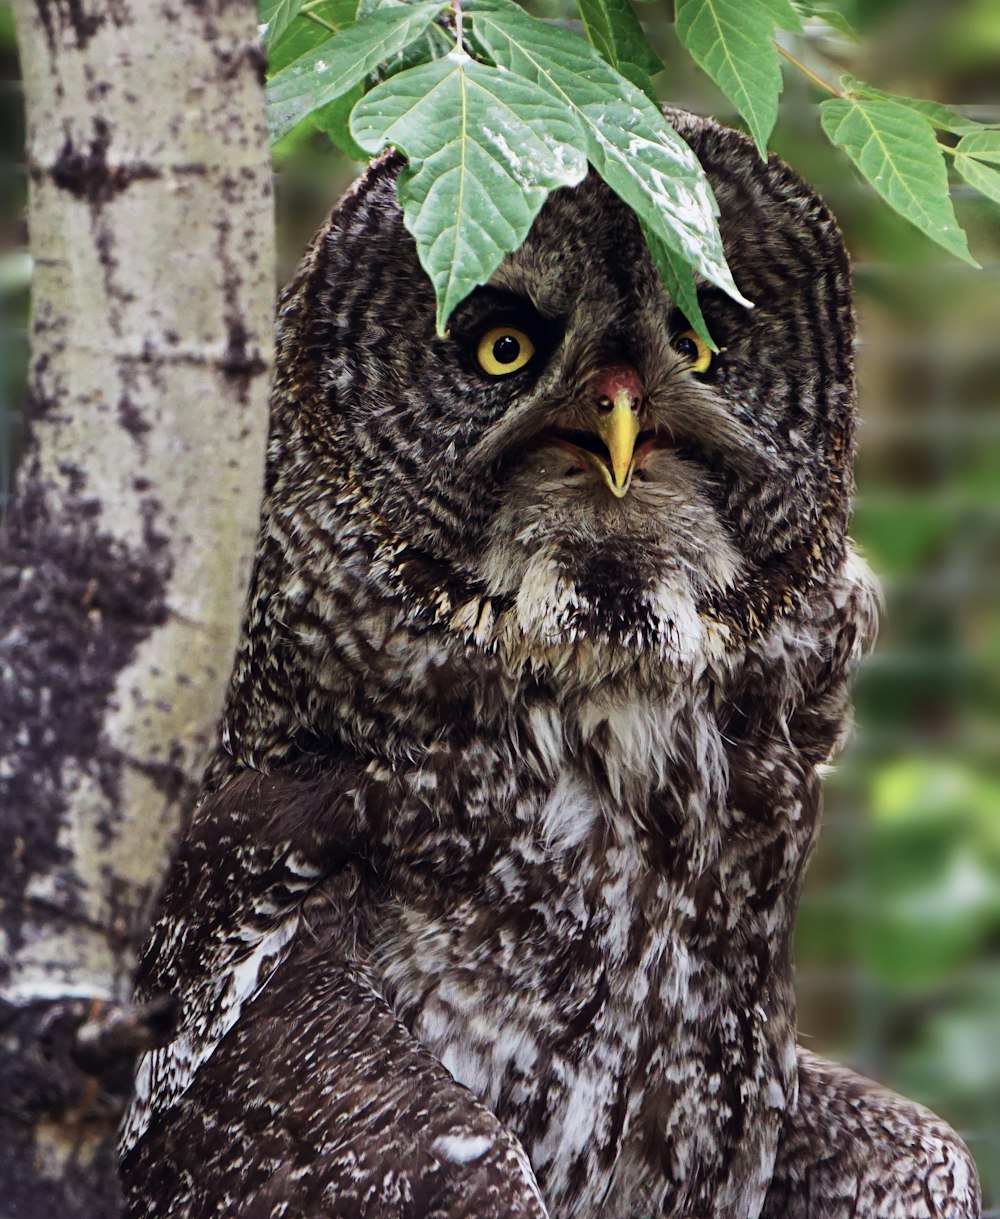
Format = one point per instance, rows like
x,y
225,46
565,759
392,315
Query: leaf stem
x,y
818,80
320,21
457,7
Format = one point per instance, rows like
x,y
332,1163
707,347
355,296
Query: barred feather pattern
x,y
487,905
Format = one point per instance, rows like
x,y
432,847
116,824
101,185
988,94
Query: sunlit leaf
x,y
938,115
629,142
484,149
895,149
975,156
340,63
679,282
828,15
733,41
276,15
613,30
334,120
304,34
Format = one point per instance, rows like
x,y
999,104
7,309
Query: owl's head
x,y
571,451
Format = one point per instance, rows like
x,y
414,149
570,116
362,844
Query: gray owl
x,y
487,904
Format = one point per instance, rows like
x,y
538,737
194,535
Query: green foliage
x,y
613,30
939,116
337,65
677,278
484,149
276,16
828,15
307,32
934,868
895,149
733,40
495,108
629,142
975,157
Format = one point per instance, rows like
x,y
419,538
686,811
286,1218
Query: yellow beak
x,y
619,429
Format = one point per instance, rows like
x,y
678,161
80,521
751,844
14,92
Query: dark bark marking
x,y
40,397
86,173
241,360
66,1066
56,15
231,60
74,605
131,417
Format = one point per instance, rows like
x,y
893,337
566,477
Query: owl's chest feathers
x,y
613,944
606,825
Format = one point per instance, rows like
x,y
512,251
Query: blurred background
x,y
898,942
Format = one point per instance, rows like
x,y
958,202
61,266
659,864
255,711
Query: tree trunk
x,y
128,544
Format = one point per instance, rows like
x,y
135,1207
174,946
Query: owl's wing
x,y
290,1089
319,1102
850,1147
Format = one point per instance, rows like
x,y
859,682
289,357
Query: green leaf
x,y
304,35
614,31
629,142
829,16
938,115
484,149
276,15
982,145
896,150
340,63
970,154
678,280
433,43
334,120
733,40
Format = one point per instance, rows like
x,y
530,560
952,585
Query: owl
x,y
486,907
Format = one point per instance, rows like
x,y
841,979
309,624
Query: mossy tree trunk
x,y
127,549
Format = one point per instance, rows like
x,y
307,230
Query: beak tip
x,y
617,487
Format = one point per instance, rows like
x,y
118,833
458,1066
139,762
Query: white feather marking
x,y
301,866
461,1148
467,1067
774,1095
568,815
546,729
588,1096
164,1075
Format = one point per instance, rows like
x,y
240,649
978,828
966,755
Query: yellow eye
x,y
504,349
695,350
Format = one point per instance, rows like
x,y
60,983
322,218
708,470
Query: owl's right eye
x,y
503,350
694,349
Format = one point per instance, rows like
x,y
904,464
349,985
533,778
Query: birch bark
x,y
126,554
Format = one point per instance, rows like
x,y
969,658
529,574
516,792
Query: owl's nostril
x,y
605,405
619,384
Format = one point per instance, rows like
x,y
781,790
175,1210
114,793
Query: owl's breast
x,y
569,987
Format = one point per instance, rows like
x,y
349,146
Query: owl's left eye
x,y
695,350
503,350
